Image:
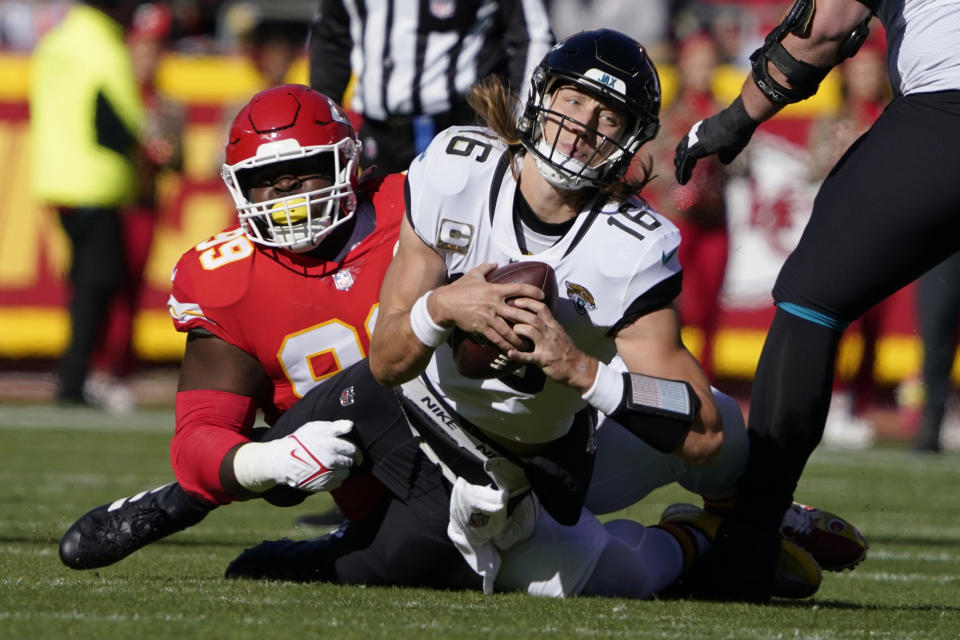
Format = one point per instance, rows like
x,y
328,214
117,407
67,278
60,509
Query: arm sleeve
x,y
527,39
330,48
209,425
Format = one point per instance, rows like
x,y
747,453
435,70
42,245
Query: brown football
x,y
476,358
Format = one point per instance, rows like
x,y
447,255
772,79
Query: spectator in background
x,y
938,312
274,45
697,208
160,136
413,71
866,91
85,112
648,22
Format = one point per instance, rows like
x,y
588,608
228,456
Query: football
x,y
476,358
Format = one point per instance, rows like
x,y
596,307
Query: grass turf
x,y
58,463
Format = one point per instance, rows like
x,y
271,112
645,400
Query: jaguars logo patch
x,y
581,298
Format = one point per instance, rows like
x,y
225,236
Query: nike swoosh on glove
x,y
725,133
315,457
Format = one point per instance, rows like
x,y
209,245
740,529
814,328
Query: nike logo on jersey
x,y
667,255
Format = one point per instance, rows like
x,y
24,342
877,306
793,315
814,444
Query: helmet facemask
x,y
563,171
609,67
297,222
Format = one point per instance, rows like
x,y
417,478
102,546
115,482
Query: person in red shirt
x,y
272,307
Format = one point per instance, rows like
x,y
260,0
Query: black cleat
x,y
744,565
113,531
291,560
332,517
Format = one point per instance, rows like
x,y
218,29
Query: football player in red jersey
x,y
272,307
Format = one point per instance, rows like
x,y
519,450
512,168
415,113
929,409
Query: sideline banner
x,y
767,209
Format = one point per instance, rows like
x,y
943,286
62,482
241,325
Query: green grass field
x,y
56,464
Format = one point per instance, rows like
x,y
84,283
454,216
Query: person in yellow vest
x,y
85,111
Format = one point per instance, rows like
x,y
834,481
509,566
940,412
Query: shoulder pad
x,y
203,276
446,165
635,229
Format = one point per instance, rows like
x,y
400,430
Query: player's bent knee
x,y
719,478
637,562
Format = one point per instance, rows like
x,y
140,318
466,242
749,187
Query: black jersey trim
x,y
591,218
523,216
656,297
406,200
502,165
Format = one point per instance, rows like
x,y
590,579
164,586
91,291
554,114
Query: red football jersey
x,y
303,318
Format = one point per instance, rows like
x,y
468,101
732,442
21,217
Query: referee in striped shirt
x,y
416,60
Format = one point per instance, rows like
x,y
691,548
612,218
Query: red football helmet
x,y
292,122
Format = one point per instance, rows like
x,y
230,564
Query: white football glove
x,y
477,515
312,458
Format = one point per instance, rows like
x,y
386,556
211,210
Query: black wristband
x,y
736,119
658,411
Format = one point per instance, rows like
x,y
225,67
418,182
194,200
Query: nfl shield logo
x,y
478,520
346,397
343,280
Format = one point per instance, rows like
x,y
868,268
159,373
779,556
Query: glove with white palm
x,y
479,526
315,457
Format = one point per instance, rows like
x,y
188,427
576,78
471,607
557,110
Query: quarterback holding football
x,y
504,470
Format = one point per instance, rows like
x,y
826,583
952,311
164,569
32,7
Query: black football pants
x,y
404,542
888,212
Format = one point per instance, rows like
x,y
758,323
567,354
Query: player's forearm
x,y
705,438
210,424
396,353
822,46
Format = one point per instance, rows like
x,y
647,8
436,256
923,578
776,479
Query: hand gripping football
x,y
476,358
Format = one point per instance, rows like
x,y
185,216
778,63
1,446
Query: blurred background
x,y
198,61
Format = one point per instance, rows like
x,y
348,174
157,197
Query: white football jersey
x,y
922,55
616,261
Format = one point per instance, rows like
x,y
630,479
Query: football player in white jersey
x,y
548,187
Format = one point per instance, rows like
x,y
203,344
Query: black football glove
x,y
725,134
